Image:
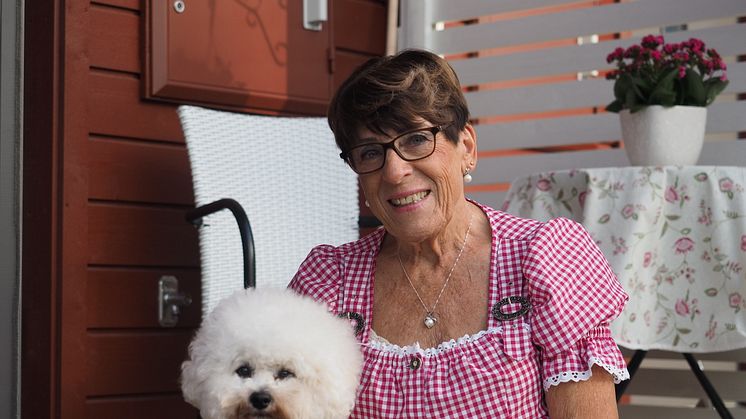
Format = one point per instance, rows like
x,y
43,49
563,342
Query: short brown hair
x,y
390,93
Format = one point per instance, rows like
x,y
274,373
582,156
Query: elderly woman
x,y
462,310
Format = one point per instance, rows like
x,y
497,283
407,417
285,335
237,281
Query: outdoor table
x,y
674,236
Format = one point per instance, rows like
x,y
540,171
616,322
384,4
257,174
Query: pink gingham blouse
x,y
498,372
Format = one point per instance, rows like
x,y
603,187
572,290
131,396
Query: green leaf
x,y
630,100
673,217
663,93
711,292
695,88
684,331
676,340
615,106
713,87
686,231
665,227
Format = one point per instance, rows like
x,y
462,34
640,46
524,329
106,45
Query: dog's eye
x,y
244,371
284,373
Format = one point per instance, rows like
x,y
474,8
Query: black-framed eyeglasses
x,y
410,146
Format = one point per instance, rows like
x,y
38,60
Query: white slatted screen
x,y
520,59
523,65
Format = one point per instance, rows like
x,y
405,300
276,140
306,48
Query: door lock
x,y
170,301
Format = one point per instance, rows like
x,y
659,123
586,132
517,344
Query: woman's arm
x,y
593,398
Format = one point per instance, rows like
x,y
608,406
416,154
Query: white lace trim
x,y
440,349
619,374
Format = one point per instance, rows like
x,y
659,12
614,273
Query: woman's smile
x,y
408,200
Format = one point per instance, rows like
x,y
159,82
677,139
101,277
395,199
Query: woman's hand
x,y
593,398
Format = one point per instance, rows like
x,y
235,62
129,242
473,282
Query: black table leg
x,y
632,367
717,402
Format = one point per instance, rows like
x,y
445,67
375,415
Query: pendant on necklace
x,y
430,320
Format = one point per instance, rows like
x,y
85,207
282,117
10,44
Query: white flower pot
x,y
658,136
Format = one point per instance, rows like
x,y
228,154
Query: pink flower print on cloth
x,y
671,194
543,184
682,308
684,245
735,300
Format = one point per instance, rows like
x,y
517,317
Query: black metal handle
x,y
247,239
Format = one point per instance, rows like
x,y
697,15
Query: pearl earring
x,y
467,177
367,204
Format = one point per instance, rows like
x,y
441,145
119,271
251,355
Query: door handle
x,y
314,14
170,301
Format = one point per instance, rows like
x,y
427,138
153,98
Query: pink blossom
x,y
682,72
682,308
646,259
710,334
651,41
726,184
671,195
628,210
743,242
684,245
735,300
543,185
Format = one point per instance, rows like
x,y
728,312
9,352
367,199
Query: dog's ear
x,y
190,383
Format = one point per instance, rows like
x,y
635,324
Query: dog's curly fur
x,y
272,353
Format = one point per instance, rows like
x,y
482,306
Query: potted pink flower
x,y
661,92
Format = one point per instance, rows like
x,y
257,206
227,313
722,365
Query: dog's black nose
x,y
260,399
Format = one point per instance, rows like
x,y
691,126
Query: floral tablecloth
x,y
675,237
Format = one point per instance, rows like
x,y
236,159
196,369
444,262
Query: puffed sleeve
x,y
574,296
319,276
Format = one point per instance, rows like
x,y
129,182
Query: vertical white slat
x,y
416,30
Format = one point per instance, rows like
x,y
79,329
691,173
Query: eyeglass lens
x,y
409,146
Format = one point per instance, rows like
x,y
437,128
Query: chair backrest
x,y
286,174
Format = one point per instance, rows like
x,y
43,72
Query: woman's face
x,y
416,200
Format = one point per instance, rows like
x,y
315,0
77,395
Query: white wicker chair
x,y
286,174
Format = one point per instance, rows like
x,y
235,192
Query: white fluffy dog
x,y
272,353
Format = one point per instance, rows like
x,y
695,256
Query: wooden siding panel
x,y
139,171
140,408
346,63
124,4
127,298
141,363
360,26
140,236
114,39
115,109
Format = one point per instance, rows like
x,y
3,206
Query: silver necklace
x,y
430,318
